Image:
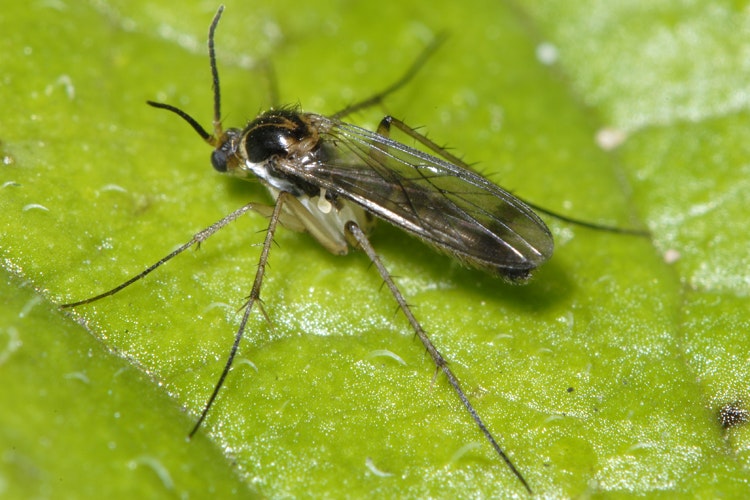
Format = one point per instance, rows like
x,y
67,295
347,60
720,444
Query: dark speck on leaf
x,y
733,414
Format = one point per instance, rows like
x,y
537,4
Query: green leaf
x,y
603,375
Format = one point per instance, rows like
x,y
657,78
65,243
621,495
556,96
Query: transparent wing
x,y
450,207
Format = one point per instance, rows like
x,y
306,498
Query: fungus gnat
x,y
333,180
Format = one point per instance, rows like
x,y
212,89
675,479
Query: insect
x,y
333,180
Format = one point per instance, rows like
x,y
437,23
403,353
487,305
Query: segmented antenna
x,y
215,74
214,139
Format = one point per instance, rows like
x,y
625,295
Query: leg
x,y
252,299
413,69
198,238
273,83
440,362
384,129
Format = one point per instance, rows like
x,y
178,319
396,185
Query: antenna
x,y
214,139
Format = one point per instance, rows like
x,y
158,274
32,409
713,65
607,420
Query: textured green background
x,y
96,185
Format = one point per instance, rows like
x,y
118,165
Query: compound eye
x,y
219,160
